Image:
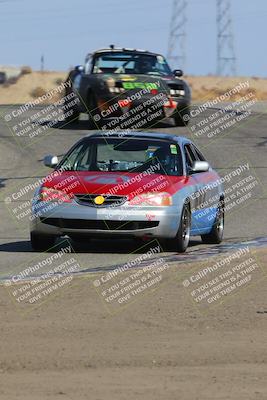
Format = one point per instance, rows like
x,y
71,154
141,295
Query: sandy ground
x,y
160,347
203,87
209,87
21,92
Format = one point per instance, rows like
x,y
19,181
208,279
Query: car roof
x,y
123,50
141,135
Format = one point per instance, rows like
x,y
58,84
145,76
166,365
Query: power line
x,y
226,58
177,37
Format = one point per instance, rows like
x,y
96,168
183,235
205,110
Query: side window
x,y
76,81
88,65
84,160
190,156
71,159
198,153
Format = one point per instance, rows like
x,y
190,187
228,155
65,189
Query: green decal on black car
x,y
139,85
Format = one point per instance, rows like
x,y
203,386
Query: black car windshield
x,y
124,155
130,63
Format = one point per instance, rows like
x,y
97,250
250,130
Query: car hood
x,y
113,183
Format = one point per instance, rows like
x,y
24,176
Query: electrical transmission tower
x,y
226,59
177,38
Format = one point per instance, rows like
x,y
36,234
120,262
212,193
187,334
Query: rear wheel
x,y
181,240
216,234
42,242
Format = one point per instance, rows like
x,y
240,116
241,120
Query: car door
x,y
204,196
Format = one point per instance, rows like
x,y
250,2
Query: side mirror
x,y
178,73
50,161
200,166
79,68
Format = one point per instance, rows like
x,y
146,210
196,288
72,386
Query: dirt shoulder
x,y
160,347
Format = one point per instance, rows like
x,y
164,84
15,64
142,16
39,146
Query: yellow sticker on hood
x,y
127,78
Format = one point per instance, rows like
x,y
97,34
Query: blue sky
x,y
65,31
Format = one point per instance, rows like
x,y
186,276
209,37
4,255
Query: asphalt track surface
x,y
21,164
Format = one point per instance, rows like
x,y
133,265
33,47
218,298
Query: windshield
x,y
131,155
130,63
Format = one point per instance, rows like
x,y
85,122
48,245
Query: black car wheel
x,y
181,240
71,113
182,117
216,234
73,117
94,114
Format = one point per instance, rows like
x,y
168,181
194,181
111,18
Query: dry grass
x,y
26,70
209,87
22,91
38,92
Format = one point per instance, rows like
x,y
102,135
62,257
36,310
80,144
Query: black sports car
x,y
122,88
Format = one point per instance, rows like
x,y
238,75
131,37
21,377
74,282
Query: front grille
x,y
176,90
104,225
176,86
110,200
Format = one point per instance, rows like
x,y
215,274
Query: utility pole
x,y
226,58
177,37
42,63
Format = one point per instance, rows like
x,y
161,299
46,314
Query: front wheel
x,y
182,117
72,116
95,120
42,242
216,234
181,240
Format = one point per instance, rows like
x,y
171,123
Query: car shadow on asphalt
x,y
123,246
79,125
2,180
84,125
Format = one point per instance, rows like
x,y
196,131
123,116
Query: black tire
x,y
216,234
92,125
42,242
182,117
93,110
74,115
75,110
182,238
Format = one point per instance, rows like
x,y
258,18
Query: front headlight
x,y
116,89
177,92
50,194
152,199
